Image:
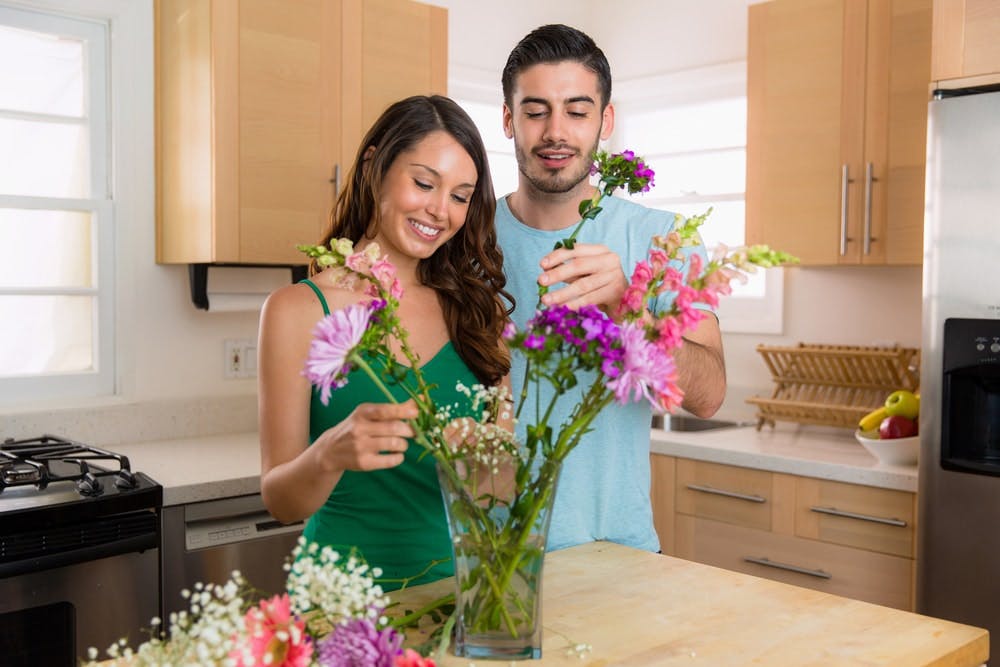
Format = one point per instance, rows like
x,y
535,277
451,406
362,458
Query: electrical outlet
x,y
239,358
232,359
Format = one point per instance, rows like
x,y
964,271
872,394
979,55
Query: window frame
x,y
93,23
737,314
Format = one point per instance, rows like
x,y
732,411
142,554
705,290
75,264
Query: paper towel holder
x,y
198,277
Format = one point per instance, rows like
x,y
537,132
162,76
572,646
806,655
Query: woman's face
x,y
425,196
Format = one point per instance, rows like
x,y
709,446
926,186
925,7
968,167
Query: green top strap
x,y
322,299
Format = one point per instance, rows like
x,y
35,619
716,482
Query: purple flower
x,y
358,643
534,342
628,155
509,331
646,371
334,339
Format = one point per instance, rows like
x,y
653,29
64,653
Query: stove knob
x,y
126,480
88,485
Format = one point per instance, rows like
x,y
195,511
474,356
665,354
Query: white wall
x,y
171,353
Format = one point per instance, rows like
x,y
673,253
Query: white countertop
x,y
811,451
200,468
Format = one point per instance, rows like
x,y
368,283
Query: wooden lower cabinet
x,y
831,568
845,539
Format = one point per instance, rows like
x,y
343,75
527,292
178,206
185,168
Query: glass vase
x,y
498,536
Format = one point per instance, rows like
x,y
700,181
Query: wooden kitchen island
x,y
638,608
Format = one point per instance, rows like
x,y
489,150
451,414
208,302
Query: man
x,y
557,89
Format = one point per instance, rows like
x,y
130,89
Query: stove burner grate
x,y
46,459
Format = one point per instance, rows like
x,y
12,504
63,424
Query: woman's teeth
x,y
424,229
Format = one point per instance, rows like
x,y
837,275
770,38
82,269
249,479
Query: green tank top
x,y
395,518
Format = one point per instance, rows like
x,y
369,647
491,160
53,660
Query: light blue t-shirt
x,y
603,491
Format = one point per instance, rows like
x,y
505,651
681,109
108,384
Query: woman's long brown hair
x,y
467,271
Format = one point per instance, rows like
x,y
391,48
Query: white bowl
x,y
892,451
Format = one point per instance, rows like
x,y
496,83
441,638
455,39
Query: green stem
x,y
414,616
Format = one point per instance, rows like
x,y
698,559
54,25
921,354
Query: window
x,y
56,211
499,149
696,144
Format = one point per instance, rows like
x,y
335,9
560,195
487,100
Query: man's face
x,y
556,121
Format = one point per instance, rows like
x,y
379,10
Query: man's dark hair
x,y
553,44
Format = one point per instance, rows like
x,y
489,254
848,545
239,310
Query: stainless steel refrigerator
x,y
958,556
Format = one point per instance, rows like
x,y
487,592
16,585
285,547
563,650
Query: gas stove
x,y
79,550
56,487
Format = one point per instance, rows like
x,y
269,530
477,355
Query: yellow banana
x,y
871,421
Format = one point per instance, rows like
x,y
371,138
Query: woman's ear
x,y
368,154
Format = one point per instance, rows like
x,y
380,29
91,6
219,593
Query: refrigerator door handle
x,y
833,511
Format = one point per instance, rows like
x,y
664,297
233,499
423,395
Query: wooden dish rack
x,y
833,385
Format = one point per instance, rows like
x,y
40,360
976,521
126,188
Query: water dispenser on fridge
x,y
970,401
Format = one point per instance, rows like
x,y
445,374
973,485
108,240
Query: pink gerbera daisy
x,y
274,637
646,371
334,340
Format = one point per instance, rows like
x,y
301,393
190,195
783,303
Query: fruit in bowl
x,y
897,426
902,403
890,451
890,432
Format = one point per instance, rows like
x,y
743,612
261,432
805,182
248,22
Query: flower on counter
x,y
331,616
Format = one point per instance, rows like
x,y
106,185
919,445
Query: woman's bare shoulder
x,y
299,300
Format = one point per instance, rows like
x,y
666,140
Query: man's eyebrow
x,y
572,100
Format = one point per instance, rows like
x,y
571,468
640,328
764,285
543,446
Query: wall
x,y
170,366
650,44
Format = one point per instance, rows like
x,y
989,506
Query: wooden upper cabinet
x,y
966,41
836,128
261,105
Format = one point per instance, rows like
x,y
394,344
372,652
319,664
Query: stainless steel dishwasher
x,y
206,541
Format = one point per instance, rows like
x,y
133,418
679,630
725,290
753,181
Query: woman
x,y
420,187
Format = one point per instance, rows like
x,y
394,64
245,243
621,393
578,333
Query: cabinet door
x,y
857,516
966,40
725,493
897,80
392,50
831,568
805,102
661,496
289,94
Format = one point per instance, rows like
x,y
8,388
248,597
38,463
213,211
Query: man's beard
x,y
554,182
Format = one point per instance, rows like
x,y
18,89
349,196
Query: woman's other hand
x,y
373,437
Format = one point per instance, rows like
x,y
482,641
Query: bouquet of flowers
x,y
498,492
331,615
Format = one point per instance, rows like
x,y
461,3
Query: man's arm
x,y
701,368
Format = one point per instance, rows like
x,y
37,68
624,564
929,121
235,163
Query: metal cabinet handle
x,y
728,494
767,562
844,180
336,181
863,517
869,179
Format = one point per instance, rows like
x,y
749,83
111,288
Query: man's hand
x,y
592,273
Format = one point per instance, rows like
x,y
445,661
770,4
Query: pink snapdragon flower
x,y
274,637
385,273
334,340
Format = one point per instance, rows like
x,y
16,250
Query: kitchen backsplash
x,y
110,425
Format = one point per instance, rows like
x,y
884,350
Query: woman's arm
x,y
296,479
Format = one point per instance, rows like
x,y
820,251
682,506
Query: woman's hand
x,y
373,437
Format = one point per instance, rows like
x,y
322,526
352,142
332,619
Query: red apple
x,y
897,426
